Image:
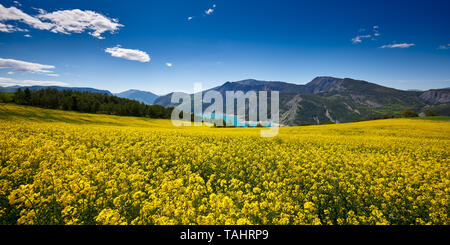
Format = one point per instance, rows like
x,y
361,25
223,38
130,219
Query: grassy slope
x,y
15,112
415,126
438,118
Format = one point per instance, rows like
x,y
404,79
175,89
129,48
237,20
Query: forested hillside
x,y
88,102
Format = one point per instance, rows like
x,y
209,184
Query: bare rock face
x,y
325,85
292,108
440,96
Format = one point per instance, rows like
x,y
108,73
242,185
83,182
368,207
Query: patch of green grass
x,y
437,118
11,112
332,98
6,97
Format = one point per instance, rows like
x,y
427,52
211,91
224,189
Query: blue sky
x,y
401,44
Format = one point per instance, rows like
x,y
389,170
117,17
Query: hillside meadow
x,y
59,167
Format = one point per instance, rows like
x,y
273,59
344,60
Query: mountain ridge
x,y
330,99
324,99
138,95
59,88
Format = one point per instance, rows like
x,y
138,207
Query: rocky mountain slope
x,y
323,100
329,99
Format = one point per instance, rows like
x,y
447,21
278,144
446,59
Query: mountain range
x,y
132,94
141,96
329,99
324,99
32,88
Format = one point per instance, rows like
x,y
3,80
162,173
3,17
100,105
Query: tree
x,y
430,114
19,97
407,113
89,103
27,96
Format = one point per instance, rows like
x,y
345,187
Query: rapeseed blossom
x,y
119,171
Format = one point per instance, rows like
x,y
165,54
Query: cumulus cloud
x,y
400,45
9,28
190,18
129,54
169,64
78,21
27,35
61,21
6,82
15,14
18,65
358,39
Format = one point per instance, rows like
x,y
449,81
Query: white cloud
x,y
400,45
40,11
6,82
190,18
18,65
77,21
27,35
61,21
169,64
129,54
358,39
376,31
17,3
443,47
9,28
15,14
209,11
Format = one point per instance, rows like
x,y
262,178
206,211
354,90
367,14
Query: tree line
x,y
88,102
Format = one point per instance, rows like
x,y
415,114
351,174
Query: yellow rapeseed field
x,y
70,168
